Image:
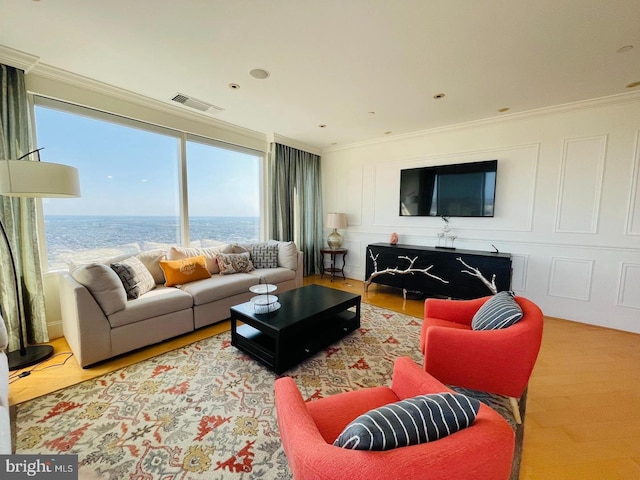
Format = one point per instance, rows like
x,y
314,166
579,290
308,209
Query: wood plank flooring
x,y
583,407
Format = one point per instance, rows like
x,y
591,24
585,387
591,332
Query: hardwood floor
x,y
583,408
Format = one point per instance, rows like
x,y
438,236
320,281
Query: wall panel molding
x,y
580,184
519,265
633,208
629,286
571,278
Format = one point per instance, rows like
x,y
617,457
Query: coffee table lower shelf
x,y
281,351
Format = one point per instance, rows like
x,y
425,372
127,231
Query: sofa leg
x,y
516,409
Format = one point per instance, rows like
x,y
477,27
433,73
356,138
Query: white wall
x,y
567,202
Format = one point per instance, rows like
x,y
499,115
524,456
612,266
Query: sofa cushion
x,y
151,260
231,263
134,276
180,253
420,419
103,284
500,311
219,287
179,272
160,301
287,254
273,275
264,255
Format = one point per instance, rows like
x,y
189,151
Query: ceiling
x,y
362,68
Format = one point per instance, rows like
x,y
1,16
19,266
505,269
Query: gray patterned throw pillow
x,y
264,255
420,419
135,277
500,311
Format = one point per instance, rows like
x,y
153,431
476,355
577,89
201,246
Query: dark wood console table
x,y
446,264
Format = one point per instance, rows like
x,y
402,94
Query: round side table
x,y
333,269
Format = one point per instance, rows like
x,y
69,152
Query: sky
x,y
129,171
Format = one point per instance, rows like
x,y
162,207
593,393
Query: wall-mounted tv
x,y
459,190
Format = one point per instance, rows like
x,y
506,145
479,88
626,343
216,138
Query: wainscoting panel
x,y
519,272
571,278
580,186
633,222
629,286
354,189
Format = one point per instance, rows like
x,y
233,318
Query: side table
x,y
333,269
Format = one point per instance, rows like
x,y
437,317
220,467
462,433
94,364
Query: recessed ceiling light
x,y
372,113
633,85
624,49
259,73
322,125
388,133
234,86
504,109
438,96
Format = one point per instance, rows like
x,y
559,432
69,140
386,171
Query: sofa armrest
x,y
300,270
86,328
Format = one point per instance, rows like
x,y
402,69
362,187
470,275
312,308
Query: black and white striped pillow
x,y
420,419
500,311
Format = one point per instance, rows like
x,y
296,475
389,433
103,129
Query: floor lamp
x,y
25,178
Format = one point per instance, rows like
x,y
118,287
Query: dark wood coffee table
x,y
310,319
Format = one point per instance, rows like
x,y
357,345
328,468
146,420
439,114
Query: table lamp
x,y
335,221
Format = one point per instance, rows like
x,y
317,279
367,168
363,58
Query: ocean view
x,y
81,238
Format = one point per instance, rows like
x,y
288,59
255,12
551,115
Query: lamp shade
x,y
24,178
336,220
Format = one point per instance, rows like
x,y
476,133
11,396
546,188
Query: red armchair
x,y
496,361
483,451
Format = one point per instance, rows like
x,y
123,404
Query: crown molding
x,y
49,72
608,101
18,59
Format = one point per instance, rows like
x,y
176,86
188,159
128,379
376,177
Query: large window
x,y
223,191
131,186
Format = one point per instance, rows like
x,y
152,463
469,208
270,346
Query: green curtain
x,y
296,212
18,216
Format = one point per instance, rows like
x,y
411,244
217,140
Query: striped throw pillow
x,y
420,419
500,311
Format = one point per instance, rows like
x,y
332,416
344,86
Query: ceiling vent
x,y
197,104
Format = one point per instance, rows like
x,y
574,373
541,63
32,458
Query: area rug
x,y
206,411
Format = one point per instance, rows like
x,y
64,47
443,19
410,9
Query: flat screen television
x,y
459,190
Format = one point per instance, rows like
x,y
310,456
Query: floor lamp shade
x,y
335,221
25,178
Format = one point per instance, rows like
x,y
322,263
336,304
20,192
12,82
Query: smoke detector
x,y
200,105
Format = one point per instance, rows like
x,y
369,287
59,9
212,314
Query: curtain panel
x,y
296,213
18,216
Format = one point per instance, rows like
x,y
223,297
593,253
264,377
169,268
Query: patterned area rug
x,y
205,411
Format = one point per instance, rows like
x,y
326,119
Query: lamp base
x,y
34,354
335,240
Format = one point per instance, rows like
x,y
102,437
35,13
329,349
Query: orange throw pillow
x,y
178,272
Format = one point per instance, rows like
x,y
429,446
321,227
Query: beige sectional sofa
x,y
100,322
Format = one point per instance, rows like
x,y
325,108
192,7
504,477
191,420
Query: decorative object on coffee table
x,y
264,302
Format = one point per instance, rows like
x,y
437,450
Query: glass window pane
x,y
129,186
223,194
